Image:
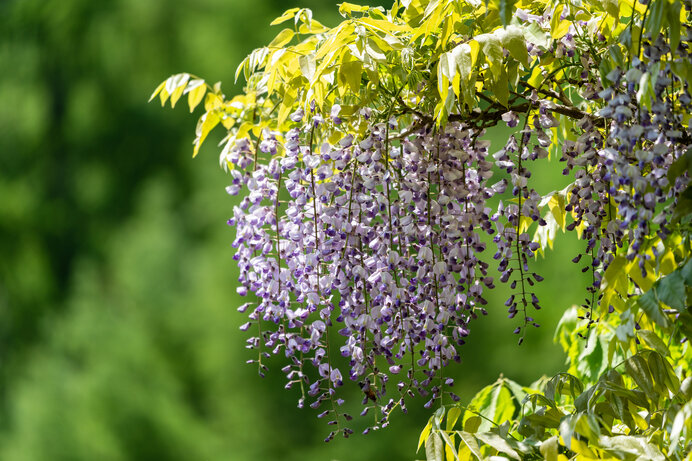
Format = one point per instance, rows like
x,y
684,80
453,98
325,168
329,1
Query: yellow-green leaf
x,y
208,121
158,89
452,417
557,208
196,90
471,443
512,38
616,275
351,73
282,38
307,66
347,8
424,434
176,86
501,90
288,14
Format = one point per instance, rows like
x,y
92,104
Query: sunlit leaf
x,y
512,38
208,121
288,14
492,49
196,91
282,38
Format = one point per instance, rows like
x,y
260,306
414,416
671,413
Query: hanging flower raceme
x,y
374,243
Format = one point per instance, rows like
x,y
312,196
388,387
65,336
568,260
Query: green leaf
x,y
548,449
447,66
449,443
176,86
587,426
424,434
671,290
492,49
504,404
518,392
536,35
673,20
196,90
158,89
351,73
461,54
567,429
208,121
347,8
684,206
565,328
649,304
615,275
506,10
495,403
604,69
655,20
282,38
636,447
686,272
434,448
592,360
654,341
664,376
611,7
682,69
645,94
616,54
587,399
558,26
638,370
307,66
679,167
470,441
452,417
501,88
472,424
288,14
563,384
498,443
512,38
682,422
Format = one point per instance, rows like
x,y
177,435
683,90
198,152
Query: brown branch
x,y
490,116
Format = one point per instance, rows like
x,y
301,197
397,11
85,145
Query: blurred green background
x,y
118,322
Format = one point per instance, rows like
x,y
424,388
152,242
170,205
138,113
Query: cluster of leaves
x,y
359,151
626,394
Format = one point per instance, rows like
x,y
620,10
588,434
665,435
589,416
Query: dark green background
x,y
118,322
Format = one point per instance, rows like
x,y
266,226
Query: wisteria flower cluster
x,y
374,243
623,196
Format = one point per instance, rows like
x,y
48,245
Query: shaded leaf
x,y
648,303
671,290
638,370
654,341
548,449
